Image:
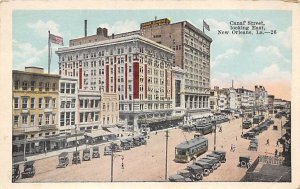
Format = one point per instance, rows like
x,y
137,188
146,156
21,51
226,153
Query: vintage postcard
x,y
132,93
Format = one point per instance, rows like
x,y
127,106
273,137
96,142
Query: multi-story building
x,y
261,97
136,68
271,103
68,94
213,99
109,114
192,54
35,110
246,100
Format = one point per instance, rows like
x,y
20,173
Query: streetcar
x,y
205,128
189,150
247,124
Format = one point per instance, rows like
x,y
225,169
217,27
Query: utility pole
x,y
166,165
215,137
112,163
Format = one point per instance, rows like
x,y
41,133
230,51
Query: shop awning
x,y
73,138
99,133
114,130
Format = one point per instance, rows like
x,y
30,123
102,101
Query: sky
x,y
248,60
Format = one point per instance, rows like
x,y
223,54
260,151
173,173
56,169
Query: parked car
x,y
179,178
125,144
107,150
116,147
222,155
207,168
136,141
15,172
196,171
76,158
63,160
213,155
212,160
244,161
96,153
86,155
253,147
29,169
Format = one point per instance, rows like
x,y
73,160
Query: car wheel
x,y
198,176
206,171
243,164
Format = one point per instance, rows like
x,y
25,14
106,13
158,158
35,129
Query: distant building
x,y
35,110
109,110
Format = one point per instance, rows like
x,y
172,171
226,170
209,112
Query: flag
x,y
205,25
56,39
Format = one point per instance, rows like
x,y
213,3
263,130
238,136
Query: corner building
x,y
192,54
136,68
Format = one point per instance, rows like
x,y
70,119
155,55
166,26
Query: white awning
x,y
98,133
70,139
114,130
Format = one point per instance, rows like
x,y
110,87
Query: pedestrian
x,y
156,132
236,138
276,151
277,143
267,142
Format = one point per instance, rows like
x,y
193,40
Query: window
x,y
17,85
73,88
68,88
62,118
81,103
47,119
53,86
72,118
32,85
40,86
16,103
53,118
62,87
24,119
40,102
107,120
103,108
67,118
68,104
53,103
24,85
32,120
73,103
32,103
24,102
47,102
16,120
40,119
47,86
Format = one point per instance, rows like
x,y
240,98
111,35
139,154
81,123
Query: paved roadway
x,y
147,162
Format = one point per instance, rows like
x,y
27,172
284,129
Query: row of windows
x,y
45,102
31,119
67,88
67,118
31,85
151,106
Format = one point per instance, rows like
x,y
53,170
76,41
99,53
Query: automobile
x,y
222,155
15,172
29,170
107,150
218,157
186,174
275,127
244,161
63,160
253,147
207,168
125,144
96,153
179,178
143,140
249,135
216,163
197,135
76,158
86,155
116,147
130,142
196,171
136,141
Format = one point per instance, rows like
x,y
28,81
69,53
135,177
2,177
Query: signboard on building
x,y
160,22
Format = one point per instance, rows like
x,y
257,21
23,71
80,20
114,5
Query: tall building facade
x,y
192,54
35,110
136,68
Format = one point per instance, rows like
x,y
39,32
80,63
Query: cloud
x,y
42,27
216,25
227,55
284,38
272,53
121,26
24,54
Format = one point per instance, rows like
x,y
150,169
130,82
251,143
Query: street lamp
x,y
215,136
166,165
112,162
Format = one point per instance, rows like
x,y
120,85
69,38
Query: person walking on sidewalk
x,y
268,142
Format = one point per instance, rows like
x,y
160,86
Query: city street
x,y
147,162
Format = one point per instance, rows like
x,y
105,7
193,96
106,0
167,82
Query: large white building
x,y
136,68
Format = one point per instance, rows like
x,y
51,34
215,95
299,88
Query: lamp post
x,y
112,162
166,165
215,136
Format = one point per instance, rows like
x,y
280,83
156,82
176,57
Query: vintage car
x,y
216,163
116,147
222,155
143,140
86,155
244,161
246,124
249,135
179,178
63,160
186,174
253,147
275,127
196,171
29,169
76,158
15,172
130,142
197,135
96,153
125,144
107,150
136,141
207,168
217,156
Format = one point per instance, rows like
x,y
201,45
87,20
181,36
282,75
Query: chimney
x,y
85,28
99,31
113,36
104,32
